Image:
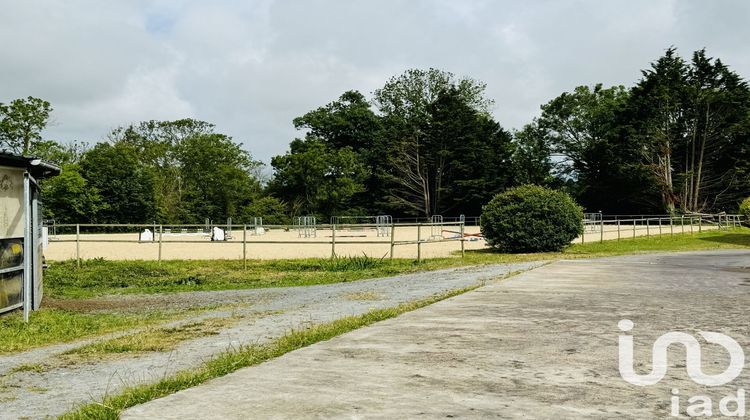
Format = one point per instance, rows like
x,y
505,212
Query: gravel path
x,y
264,314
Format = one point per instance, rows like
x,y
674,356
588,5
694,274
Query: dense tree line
x,y
424,144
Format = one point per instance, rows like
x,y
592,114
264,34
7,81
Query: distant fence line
x,y
597,227
160,231
656,224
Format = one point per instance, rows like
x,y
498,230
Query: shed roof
x,y
37,167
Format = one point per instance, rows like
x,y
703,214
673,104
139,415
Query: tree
x,y
349,122
690,121
123,182
21,123
69,197
532,163
319,180
216,176
156,143
271,209
418,153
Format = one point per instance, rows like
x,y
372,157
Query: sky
x,y
250,67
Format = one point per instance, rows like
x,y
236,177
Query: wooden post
x,y
682,222
601,228
161,231
333,240
618,229
463,248
671,225
393,237
78,246
633,227
419,242
700,224
660,226
648,227
244,247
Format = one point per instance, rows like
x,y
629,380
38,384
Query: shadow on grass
x,y
741,239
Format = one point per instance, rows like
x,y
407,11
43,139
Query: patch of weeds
x,y
349,263
48,326
153,339
362,296
29,367
230,361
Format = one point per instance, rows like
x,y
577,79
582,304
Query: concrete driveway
x,y
543,344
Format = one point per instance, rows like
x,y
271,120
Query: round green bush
x,y
531,218
745,208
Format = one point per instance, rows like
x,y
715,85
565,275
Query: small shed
x,y
21,258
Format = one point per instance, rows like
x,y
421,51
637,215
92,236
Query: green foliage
x,y
745,209
122,180
55,326
531,218
216,176
69,198
271,209
349,263
317,179
21,123
444,151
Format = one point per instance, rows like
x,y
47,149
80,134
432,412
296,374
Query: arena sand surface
x,y
441,242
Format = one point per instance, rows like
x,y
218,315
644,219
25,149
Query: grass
x,y
52,326
83,318
100,277
153,339
230,361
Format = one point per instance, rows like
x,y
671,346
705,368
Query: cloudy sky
x,y
251,66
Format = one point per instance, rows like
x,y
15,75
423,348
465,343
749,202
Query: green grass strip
x,y
230,361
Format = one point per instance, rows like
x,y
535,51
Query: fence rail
x,y
597,227
160,232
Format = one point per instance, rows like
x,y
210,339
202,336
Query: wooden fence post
x,y
618,229
463,248
78,246
419,242
161,232
333,240
393,237
244,247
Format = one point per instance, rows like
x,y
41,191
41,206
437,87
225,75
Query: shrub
x,y
272,210
745,208
531,218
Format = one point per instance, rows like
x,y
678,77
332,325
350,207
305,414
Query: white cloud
x,y
250,67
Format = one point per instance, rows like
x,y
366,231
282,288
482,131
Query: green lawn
x,y
83,318
100,277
